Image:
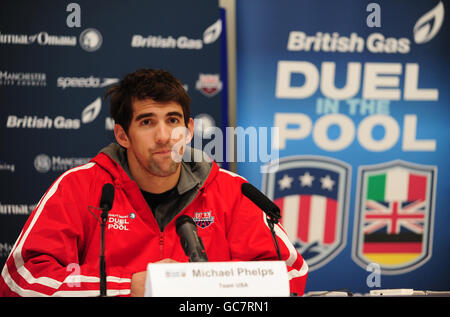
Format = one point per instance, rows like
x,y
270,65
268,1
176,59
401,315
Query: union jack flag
x,y
394,216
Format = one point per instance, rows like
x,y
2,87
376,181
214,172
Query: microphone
x,y
106,202
190,241
272,211
262,201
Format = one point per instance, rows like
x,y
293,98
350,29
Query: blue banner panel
x,y
57,62
357,92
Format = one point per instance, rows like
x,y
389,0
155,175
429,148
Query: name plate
x,y
217,279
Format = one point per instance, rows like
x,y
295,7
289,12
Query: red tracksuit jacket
x,y
57,252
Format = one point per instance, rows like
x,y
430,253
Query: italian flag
x,y
398,184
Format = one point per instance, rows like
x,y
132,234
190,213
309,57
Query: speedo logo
x,y
84,82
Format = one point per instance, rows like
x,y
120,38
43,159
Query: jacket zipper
x,y
161,245
161,233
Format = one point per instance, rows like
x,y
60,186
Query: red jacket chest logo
x,y
119,222
203,219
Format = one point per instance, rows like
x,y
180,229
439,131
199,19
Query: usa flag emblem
x,y
209,84
394,216
203,219
312,194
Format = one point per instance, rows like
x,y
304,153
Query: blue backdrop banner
x,y
57,60
359,94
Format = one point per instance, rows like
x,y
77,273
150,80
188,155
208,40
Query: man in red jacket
x,y
57,252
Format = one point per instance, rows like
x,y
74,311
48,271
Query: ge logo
x,y
90,40
42,163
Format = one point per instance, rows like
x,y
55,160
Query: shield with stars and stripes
x,y
312,193
394,216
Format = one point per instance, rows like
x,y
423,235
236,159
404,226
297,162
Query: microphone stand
x,y
104,219
271,222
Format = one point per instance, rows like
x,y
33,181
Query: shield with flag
x,y
312,193
394,216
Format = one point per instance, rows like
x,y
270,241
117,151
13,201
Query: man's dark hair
x,y
156,84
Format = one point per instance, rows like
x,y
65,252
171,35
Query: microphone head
x,y
181,220
107,198
261,200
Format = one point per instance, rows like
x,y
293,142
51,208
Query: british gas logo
x,y
425,29
183,42
88,115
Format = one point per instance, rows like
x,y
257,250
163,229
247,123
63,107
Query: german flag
x,y
392,249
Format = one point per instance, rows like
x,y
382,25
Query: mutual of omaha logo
x,y
311,192
91,40
394,216
203,219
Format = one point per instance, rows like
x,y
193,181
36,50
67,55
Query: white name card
x,y
217,279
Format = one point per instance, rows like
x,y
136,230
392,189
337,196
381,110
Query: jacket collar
x,y
193,174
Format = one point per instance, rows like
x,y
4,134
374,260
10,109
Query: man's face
x,y
151,139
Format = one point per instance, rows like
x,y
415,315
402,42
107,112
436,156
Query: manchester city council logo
x,y
42,163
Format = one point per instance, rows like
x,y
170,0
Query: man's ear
x,y
190,127
121,136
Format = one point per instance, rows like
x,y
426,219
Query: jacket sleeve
x,y
48,258
250,239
